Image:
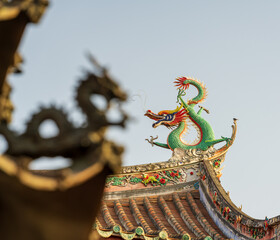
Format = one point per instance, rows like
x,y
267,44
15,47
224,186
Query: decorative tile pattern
x,y
139,218
187,218
227,212
155,217
122,216
202,220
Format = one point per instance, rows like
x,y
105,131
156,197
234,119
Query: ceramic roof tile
x,y
123,217
140,219
170,216
187,218
107,216
202,220
153,215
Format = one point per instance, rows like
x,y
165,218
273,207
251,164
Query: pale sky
x,y
232,46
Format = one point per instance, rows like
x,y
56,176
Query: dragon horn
x,y
176,109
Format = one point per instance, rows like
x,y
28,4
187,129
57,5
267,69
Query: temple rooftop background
x,y
233,47
181,198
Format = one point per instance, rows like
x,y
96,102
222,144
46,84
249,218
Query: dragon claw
x,y
151,140
228,140
181,93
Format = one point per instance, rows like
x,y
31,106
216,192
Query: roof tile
x,y
170,216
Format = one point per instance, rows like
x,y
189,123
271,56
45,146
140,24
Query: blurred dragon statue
x,y
62,203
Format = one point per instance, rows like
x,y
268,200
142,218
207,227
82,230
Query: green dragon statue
x,y
178,119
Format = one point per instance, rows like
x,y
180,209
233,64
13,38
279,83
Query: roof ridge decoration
x,y
180,119
180,157
52,198
85,142
15,15
93,158
182,175
181,168
236,223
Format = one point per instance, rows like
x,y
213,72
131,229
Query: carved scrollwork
x,y
6,105
179,157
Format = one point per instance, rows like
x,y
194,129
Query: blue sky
x,y
232,46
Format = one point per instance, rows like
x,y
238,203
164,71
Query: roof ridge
x,y
186,217
107,216
139,217
123,217
170,217
153,215
202,220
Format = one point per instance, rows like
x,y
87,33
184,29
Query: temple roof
x,y
159,200
177,215
181,198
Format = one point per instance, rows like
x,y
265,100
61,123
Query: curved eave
x,y
39,182
221,190
272,221
236,224
38,202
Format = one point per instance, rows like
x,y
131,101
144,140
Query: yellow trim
x,y
151,238
46,183
223,150
127,236
104,234
8,13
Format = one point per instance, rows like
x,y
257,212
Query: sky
x,y
232,46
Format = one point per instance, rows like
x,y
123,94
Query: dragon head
x,y
168,118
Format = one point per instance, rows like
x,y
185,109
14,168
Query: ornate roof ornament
x,y
60,198
14,16
6,105
46,204
161,197
84,144
181,119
